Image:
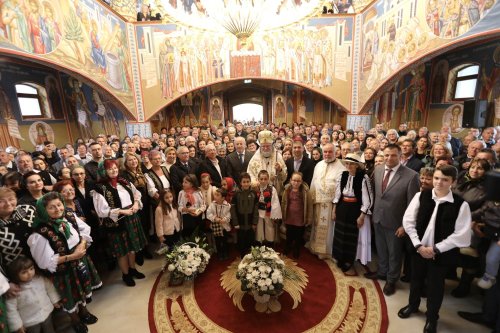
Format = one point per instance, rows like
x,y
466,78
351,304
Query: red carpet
x,y
331,302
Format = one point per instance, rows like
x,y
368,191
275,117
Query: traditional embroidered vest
x,y
157,181
113,199
58,242
446,216
265,197
357,184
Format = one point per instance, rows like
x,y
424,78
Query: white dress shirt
x,y
391,176
460,237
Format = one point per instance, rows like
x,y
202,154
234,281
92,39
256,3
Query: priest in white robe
x,y
322,192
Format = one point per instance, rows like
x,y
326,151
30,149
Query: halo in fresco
x,y
453,18
453,117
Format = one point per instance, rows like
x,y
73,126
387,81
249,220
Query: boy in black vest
x,y
438,223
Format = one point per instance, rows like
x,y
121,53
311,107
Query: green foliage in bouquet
x,y
188,259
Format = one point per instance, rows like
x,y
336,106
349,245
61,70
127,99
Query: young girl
x,y
297,213
167,219
219,213
229,186
31,309
269,209
191,206
59,246
207,191
245,214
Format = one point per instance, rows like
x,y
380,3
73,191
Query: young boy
x,y
269,210
244,214
297,213
438,223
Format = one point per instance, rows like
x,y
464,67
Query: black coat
x,y
177,173
207,166
415,164
234,166
306,167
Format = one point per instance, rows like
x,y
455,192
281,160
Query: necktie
x,y
386,180
242,159
187,166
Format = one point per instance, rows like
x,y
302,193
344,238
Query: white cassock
x,y
322,192
259,162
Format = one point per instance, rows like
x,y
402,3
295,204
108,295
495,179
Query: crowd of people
x,y
416,198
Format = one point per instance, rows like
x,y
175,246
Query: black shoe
x,y
128,279
389,288
135,274
430,326
80,327
406,312
475,317
89,319
405,278
374,276
461,291
139,258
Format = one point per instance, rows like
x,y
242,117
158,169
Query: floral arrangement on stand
x,y
187,260
261,273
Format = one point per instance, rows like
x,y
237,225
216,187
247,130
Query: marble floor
x,y
125,309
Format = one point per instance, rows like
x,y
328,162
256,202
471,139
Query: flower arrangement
x,y
261,273
187,260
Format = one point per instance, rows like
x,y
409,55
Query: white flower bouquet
x,y
187,260
261,273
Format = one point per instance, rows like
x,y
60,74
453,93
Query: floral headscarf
x,y
230,188
60,224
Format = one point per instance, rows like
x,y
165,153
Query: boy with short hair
x,y
269,210
245,214
438,223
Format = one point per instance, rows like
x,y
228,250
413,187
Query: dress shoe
x,y
80,327
135,274
389,289
374,276
147,254
128,279
88,319
139,258
475,317
430,326
406,312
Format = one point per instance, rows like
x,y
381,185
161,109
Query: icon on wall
x,y
40,132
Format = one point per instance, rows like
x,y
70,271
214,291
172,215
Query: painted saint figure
x,y
97,53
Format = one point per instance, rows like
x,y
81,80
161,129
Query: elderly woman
x,y
438,150
67,190
58,246
351,205
15,227
117,202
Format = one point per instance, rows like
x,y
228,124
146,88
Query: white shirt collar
x,y
394,169
448,197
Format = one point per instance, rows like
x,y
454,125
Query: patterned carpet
x,y
331,302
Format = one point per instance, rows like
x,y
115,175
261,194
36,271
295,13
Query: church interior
x,y
73,69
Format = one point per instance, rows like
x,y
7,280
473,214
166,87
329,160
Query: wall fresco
x,y
81,35
395,33
174,60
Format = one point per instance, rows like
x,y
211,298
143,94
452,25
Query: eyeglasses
x,y
79,174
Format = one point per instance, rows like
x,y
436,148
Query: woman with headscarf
x,y
117,202
58,246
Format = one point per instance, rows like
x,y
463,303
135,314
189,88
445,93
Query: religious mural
x,y
82,35
174,61
397,32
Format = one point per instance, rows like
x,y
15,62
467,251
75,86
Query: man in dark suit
x,y
438,223
5,160
181,168
408,158
299,162
237,161
395,186
240,131
64,154
214,165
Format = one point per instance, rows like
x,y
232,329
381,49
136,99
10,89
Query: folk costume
x,y
54,238
269,211
191,199
220,229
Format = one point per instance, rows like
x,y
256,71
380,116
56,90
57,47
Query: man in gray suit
x,y
395,187
237,161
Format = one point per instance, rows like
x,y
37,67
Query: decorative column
x,y
126,8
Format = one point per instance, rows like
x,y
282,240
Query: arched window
x,y
466,82
32,100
